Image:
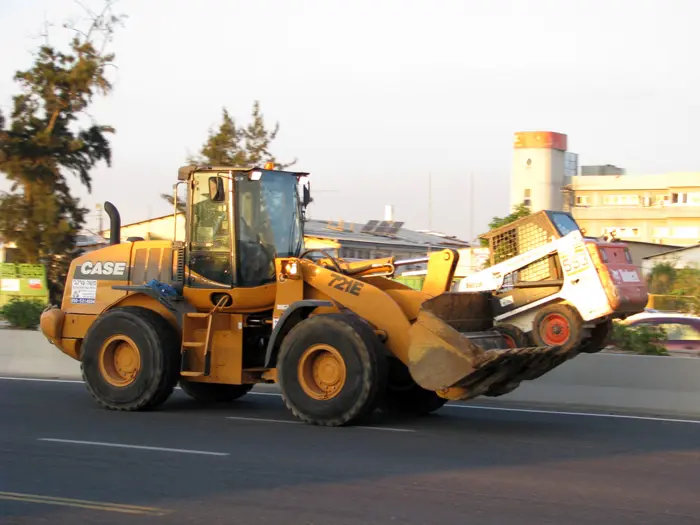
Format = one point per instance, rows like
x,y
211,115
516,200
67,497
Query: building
x,y
686,257
86,240
541,167
660,209
349,240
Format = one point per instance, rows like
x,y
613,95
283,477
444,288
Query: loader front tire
x,y
130,359
404,397
331,370
213,392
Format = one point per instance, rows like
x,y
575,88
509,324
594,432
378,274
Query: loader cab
x,y
239,221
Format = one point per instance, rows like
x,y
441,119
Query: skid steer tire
x,y
558,325
331,370
116,341
514,336
213,392
403,397
599,339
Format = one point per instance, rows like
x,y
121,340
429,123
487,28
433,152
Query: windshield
x,y
269,224
564,223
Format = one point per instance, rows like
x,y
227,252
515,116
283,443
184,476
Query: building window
x,y
582,200
661,232
621,232
679,198
685,232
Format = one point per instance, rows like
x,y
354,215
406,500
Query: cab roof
x,y
185,172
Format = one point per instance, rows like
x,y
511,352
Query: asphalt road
x,y
460,466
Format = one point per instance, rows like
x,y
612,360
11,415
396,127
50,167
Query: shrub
x,y
22,313
647,340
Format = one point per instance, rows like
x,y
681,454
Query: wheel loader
x,y
239,302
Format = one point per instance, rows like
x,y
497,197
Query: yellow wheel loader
x,y
239,302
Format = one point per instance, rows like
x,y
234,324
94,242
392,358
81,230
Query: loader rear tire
x,y
130,359
404,397
558,325
331,370
213,392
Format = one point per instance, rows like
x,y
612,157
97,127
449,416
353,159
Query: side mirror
x,y
216,189
306,198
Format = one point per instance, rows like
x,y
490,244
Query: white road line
x,y
582,414
41,380
468,407
264,420
141,447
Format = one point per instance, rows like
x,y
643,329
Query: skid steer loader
x,y
551,285
239,302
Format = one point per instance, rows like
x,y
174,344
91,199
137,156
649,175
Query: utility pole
x,y
430,201
471,206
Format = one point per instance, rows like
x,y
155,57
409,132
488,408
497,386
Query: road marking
x,y
472,407
41,380
265,420
83,504
140,447
583,414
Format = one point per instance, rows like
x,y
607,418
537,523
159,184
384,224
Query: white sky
x,y
372,96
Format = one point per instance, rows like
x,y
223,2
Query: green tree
x,y
235,146
676,289
45,141
519,211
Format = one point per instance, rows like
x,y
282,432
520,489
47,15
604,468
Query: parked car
x,y
682,330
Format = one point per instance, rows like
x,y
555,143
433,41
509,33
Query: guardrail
x,y
606,381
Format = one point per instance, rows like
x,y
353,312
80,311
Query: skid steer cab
x,y
237,301
556,286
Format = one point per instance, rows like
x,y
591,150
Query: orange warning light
x,y
269,165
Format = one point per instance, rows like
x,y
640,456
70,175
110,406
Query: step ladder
x,y
191,322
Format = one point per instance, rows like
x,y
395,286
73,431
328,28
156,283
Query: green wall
x,y
25,281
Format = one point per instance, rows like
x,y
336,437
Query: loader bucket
x,y
453,345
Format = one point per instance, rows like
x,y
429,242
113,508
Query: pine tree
x,y
44,142
237,147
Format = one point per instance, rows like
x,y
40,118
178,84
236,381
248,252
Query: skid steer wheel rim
x,y
322,372
119,360
510,342
555,329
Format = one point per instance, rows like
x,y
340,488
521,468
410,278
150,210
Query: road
x,y
462,465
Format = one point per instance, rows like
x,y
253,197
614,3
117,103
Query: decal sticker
x,y
629,276
344,284
103,270
506,301
83,291
9,285
35,284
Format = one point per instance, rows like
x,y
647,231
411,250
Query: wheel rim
x,y
510,342
555,329
119,361
321,372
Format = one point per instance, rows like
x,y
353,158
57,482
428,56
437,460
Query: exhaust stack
x,y
115,223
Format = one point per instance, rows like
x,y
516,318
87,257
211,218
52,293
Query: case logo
x,y
105,270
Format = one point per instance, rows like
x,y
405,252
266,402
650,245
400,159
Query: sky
x,y
376,98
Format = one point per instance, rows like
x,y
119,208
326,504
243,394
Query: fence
x,y
674,303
